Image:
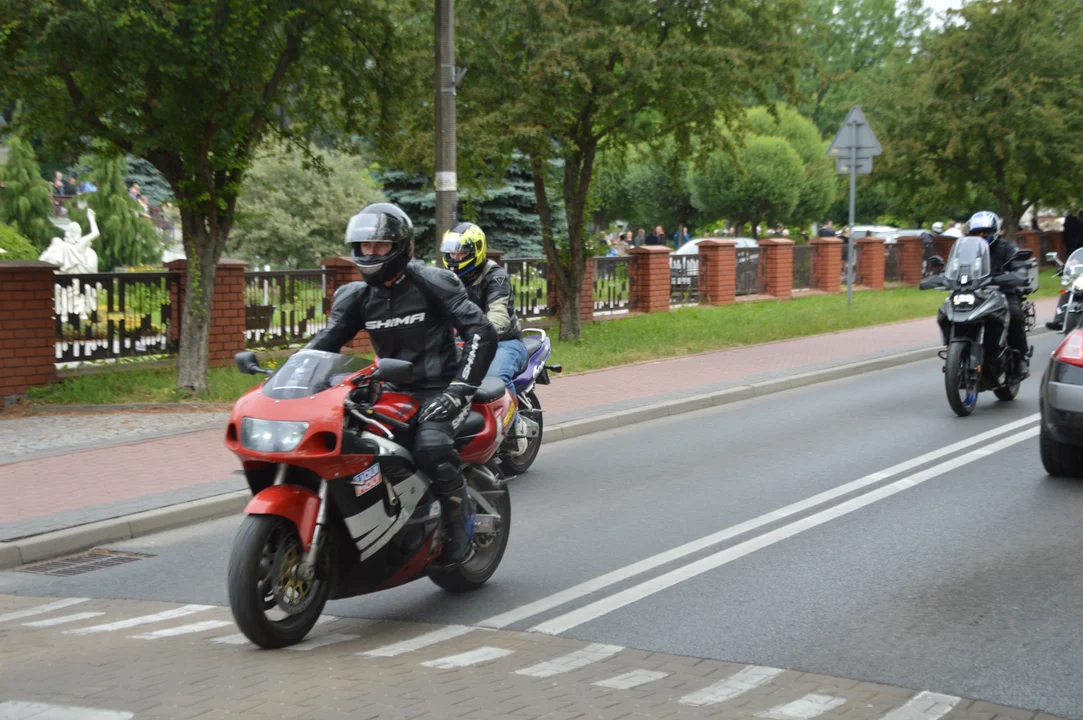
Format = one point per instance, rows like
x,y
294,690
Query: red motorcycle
x,y
339,507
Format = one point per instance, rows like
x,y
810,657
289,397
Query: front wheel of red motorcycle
x,y
489,544
274,606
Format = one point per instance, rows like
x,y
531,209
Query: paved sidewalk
x,y
130,467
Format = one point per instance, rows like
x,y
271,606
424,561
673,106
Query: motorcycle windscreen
x,y
1073,266
970,257
308,372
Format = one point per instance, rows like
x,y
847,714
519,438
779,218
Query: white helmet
x,y
938,227
985,221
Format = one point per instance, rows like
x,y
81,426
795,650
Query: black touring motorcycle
x,y
974,322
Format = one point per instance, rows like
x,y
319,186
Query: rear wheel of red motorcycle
x,y
273,606
488,548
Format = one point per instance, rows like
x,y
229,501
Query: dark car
x,y
1061,402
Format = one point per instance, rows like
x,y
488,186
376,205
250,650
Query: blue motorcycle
x,y
517,453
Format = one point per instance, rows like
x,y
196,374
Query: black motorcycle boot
x,y
459,524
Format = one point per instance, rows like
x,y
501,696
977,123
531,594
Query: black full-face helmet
x,y
381,222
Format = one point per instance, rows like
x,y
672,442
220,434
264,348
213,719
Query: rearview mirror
x,y
1051,257
396,372
246,363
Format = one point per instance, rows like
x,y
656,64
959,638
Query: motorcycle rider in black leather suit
x,y
412,311
986,225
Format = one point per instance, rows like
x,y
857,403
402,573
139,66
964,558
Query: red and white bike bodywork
x,y
339,507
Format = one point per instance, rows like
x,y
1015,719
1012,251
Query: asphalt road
x,y
960,572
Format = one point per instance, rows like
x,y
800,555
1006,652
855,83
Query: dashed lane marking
x,y
747,679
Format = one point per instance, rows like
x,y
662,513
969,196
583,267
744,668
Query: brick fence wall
x,y
27,330
28,326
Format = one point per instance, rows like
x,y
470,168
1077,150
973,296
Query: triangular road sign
x,y
867,144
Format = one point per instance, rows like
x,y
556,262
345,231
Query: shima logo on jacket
x,y
394,322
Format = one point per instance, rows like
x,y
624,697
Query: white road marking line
x,y
924,706
318,642
422,641
747,679
572,661
805,708
606,605
14,710
601,582
143,620
466,659
240,639
629,680
183,630
42,609
63,619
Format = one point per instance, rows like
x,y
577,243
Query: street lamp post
x,y
446,181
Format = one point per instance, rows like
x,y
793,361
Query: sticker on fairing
x,y
367,479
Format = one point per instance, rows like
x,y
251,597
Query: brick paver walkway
x,y
80,486
136,660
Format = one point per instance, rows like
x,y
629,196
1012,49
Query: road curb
x,y
72,540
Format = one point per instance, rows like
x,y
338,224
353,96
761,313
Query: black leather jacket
x,y
415,319
491,291
1002,256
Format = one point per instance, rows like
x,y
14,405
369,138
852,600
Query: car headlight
x,y
271,435
963,299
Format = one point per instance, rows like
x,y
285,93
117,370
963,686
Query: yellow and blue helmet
x,y
464,250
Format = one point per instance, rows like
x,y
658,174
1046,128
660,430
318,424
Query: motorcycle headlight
x,y
1077,284
271,435
963,299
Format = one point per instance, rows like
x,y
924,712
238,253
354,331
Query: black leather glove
x,y
453,405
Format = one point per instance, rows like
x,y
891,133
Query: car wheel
x,y
1059,459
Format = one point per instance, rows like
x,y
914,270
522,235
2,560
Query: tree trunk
x,y
1009,220
567,280
203,251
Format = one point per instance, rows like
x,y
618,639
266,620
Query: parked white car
x,y
861,231
683,268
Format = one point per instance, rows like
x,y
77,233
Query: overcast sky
x,y
939,6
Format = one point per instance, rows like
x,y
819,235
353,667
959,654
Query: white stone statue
x,y
74,255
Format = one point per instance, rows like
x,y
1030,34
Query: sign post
x,y
854,147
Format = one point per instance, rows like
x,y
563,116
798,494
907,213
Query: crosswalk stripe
x,y
240,639
42,609
924,706
318,642
747,679
466,659
183,630
63,619
144,620
422,641
14,710
572,661
805,708
629,680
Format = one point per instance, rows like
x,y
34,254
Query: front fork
x,y
307,568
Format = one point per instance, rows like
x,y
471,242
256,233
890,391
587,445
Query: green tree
x,y
762,183
127,236
25,202
994,101
818,186
645,185
845,45
560,79
193,87
292,214
14,246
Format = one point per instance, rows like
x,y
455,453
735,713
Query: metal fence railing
x,y
683,279
284,307
892,269
750,276
804,267
612,283
529,286
112,315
